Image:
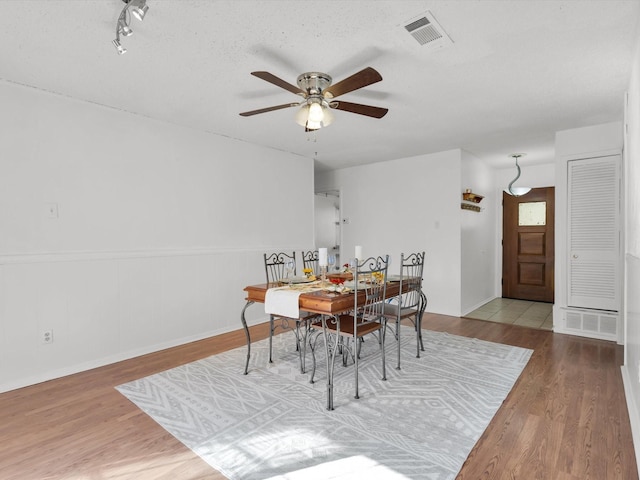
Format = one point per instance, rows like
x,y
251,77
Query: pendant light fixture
x,y
137,8
517,191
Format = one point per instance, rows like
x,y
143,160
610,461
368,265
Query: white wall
x,y
407,205
478,238
158,230
631,369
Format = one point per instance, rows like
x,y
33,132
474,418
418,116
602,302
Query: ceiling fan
x,y
318,94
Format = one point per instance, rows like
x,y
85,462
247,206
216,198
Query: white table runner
x,y
282,301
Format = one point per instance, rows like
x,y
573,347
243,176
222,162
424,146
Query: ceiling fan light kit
x,y
314,114
317,91
137,8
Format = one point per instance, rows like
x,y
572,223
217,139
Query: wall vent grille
x,y
593,324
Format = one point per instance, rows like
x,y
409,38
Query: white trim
x,y
587,155
478,305
75,256
119,357
634,419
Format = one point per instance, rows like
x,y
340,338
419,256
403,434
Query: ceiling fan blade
x,y
271,78
269,109
368,110
357,80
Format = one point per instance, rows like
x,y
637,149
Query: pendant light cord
x,y
517,176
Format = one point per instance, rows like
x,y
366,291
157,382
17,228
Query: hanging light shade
x,y
517,191
314,114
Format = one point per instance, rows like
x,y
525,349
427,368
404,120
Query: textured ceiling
x,y
517,71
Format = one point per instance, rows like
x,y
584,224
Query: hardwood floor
x,y
565,419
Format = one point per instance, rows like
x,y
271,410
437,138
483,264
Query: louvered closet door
x,y
594,233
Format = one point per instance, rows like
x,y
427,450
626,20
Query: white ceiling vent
x,y
427,31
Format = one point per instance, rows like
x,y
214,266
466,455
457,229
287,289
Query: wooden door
x,y
528,245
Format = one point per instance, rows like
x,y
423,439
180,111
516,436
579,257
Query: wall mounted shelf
x,y
470,201
469,196
468,206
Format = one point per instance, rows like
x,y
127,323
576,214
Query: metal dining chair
x,y
275,265
411,304
343,334
310,260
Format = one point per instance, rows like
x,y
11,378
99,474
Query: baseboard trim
x,y
119,357
477,305
634,417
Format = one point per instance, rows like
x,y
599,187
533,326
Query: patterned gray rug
x,y
273,424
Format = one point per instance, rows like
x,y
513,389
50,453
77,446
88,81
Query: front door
x,y
528,245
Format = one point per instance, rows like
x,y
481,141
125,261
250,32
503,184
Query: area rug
x,y
421,423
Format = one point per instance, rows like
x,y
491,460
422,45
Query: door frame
x,y
335,193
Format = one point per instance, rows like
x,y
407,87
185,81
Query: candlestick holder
x,y
323,274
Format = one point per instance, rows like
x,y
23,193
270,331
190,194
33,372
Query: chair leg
x,y
384,363
356,346
271,328
330,356
398,340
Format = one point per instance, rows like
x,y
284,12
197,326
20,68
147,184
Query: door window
x,y
531,214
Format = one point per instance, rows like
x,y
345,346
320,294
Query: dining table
x,y
327,301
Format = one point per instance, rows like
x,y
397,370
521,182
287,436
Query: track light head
x,y
119,47
139,8
140,12
125,30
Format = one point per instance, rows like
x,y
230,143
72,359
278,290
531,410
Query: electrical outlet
x,y
46,336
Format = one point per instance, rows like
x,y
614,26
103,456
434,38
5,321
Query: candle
x,y
359,252
322,257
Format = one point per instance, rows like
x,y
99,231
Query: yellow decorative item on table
x,y
308,272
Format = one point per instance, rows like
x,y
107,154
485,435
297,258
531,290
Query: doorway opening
x,y
328,231
527,262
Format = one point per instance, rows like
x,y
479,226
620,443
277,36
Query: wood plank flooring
x,y
565,419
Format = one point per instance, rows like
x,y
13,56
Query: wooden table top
x,y
320,301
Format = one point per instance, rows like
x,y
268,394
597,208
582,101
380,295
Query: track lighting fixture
x,y
137,8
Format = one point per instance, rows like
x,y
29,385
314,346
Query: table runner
x,y
285,300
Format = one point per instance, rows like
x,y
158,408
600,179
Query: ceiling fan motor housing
x,y
313,83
